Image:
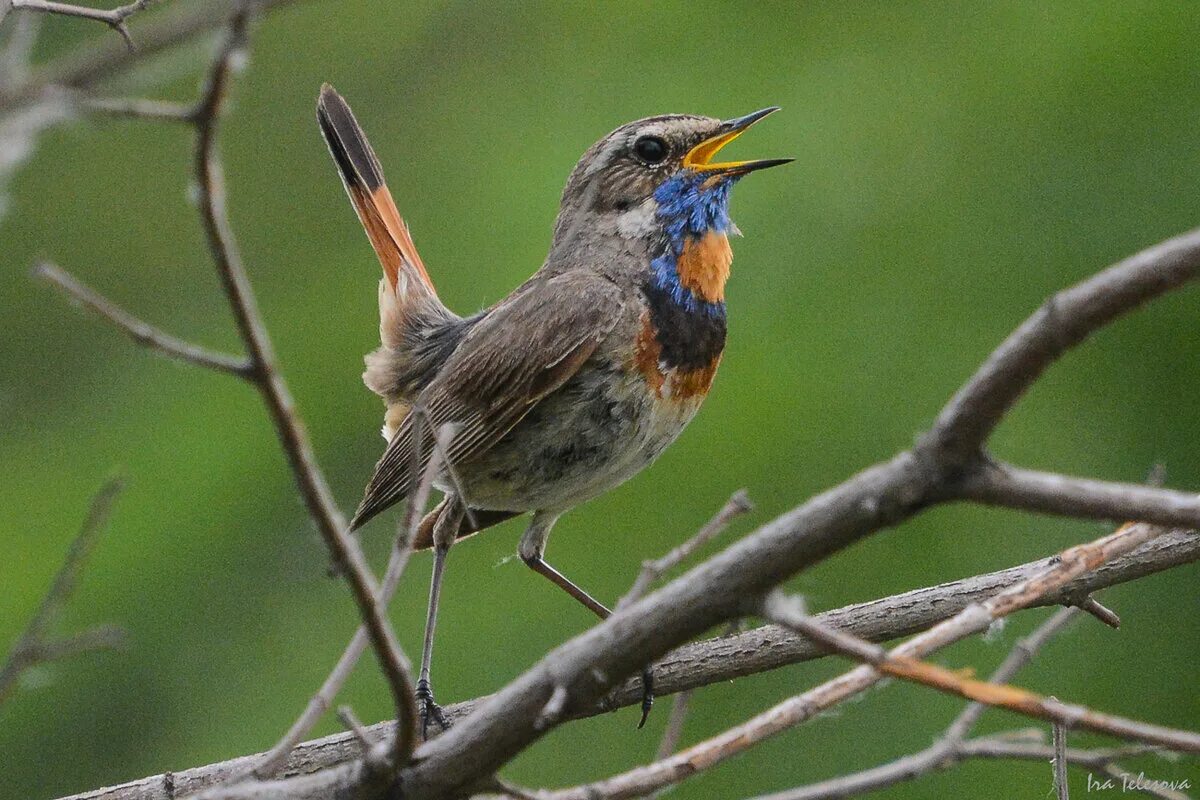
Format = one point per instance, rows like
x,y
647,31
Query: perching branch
x,y
35,645
726,658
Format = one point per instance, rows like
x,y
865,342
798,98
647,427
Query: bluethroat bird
x,y
583,375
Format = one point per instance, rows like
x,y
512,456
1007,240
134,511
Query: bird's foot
x,y
429,710
647,694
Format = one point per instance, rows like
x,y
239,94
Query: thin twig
x,y
141,332
784,612
272,760
651,571
34,645
1060,760
344,549
114,18
1100,612
139,108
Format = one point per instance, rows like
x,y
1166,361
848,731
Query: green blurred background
x,y
955,164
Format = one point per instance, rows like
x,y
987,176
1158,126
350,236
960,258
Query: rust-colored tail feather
x,y
363,178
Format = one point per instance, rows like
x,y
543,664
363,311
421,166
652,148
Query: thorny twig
x,y
35,645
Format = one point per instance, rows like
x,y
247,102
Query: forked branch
x,y
36,645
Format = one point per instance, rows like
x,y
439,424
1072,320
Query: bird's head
x,y
657,187
660,171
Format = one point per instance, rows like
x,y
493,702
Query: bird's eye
x,y
650,149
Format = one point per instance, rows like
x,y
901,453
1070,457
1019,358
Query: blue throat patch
x,y
688,210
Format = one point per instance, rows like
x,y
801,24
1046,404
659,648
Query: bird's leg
x,y
444,532
533,549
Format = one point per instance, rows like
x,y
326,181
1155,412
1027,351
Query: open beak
x,y
700,158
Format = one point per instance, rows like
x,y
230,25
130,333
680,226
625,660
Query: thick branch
x,y
729,657
1065,320
141,332
1028,490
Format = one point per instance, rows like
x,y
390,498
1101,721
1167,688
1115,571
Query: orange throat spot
x,y
703,266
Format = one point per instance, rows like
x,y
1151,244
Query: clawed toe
x,y
647,695
429,710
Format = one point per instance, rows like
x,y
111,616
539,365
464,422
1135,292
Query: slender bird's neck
x,y
694,264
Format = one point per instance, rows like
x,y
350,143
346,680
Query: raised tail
x,y
406,280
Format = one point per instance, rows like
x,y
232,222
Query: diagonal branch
x,y
785,611
35,646
141,332
651,571
322,701
950,747
1063,321
346,553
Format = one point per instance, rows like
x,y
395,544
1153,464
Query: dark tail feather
x,y
350,148
363,179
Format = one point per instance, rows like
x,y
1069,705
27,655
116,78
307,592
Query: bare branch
x,y
114,18
270,763
34,646
973,619
729,657
1103,613
1060,761
1064,715
1065,320
138,108
141,332
344,549
1028,490
91,62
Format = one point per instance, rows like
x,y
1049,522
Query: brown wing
x,y
524,349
